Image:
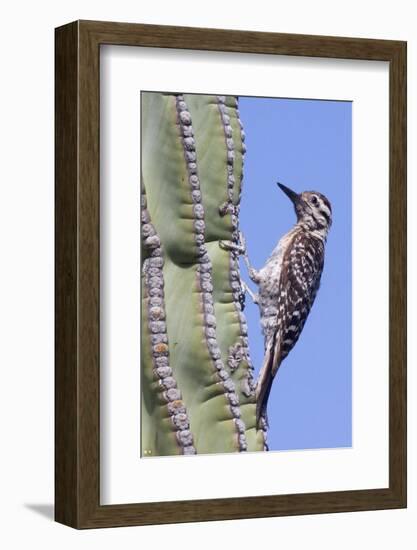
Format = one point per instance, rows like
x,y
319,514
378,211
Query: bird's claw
x,y
242,242
247,290
231,246
225,245
238,247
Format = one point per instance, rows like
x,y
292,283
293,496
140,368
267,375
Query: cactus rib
x,y
204,269
232,207
250,380
154,287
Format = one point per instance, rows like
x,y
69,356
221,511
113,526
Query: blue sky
x,y
306,145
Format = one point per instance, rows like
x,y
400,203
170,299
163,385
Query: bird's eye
x,y
314,200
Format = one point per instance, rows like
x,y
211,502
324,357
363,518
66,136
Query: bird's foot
x,y
231,246
242,242
239,246
245,288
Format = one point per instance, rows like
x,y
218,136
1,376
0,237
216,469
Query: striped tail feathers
x,y
271,363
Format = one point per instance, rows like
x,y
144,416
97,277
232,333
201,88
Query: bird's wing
x,y
299,282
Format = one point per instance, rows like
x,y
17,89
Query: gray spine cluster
x,y
154,284
204,268
263,425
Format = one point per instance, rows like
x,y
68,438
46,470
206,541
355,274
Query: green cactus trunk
x,y
196,374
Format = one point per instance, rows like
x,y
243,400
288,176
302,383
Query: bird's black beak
x,y
292,195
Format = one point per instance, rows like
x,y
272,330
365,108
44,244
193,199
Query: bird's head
x,y
313,209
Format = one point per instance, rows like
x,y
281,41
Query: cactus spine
x,y
196,373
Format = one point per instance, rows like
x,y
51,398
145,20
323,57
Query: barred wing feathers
x,y
299,282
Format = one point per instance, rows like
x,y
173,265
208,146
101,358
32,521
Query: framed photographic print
x,y
230,274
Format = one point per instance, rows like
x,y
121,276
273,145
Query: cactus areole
x,y
197,384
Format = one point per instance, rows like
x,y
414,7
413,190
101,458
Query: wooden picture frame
x,y
77,382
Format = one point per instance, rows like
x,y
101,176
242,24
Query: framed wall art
x,y
230,274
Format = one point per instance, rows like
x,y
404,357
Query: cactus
x,y
196,373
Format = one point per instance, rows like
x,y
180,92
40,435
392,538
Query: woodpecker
x,y
288,284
